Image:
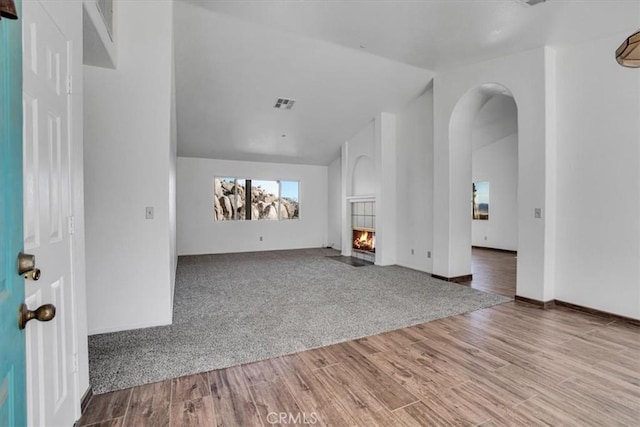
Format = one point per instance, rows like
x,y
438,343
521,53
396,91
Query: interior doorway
x,y
484,125
494,173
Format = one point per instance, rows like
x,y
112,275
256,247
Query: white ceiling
x,y
235,58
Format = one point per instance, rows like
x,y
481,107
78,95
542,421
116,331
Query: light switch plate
x,y
148,212
537,213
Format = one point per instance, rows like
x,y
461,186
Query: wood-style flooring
x,y
493,271
512,364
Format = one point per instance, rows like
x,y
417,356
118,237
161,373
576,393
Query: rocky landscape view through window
x,y
238,199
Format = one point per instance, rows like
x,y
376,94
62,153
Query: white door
x,y
51,385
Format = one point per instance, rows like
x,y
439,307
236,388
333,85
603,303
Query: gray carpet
x,y
238,308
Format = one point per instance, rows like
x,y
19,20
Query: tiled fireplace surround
x,y
363,216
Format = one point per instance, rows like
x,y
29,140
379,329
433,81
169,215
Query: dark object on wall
x,y
8,9
628,54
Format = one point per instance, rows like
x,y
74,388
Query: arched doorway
x,y
494,173
483,137
532,86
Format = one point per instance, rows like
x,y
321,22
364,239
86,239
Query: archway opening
x,y
484,133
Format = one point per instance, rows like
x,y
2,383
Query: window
x,y
289,204
238,199
265,200
225,190
480,200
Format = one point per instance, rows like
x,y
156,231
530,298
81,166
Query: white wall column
x,y
345,206
128,163
385,160
550,175
441,170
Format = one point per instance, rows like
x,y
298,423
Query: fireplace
x,y
363,230
364,240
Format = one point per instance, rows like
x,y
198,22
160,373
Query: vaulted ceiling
x,y
343,61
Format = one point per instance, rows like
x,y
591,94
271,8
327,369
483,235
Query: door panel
x,y
12,344
49,346
31,205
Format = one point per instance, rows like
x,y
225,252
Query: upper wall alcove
x,y
363,181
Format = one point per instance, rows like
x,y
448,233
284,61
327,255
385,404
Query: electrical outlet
x,y
537,213
261,238
411,251
148,212
428,254
485,237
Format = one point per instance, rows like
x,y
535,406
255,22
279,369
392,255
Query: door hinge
x,y
69,84
76,363
72,225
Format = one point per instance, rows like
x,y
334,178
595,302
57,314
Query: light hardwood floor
x,y
493,271
511,364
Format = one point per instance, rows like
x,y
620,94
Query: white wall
x,y
498,164
495,159
361,177
578,160
334,234
414,208
198,233
173,165
364,177
68,16
127,167
598,244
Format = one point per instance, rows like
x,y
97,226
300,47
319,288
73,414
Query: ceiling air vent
x,y
284,103
530,2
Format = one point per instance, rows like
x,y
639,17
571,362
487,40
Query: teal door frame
x,y
13,410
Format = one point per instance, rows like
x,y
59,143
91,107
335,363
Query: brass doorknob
x,y
44,313
27,266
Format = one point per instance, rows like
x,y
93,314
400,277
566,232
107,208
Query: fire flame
x,y
364,240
